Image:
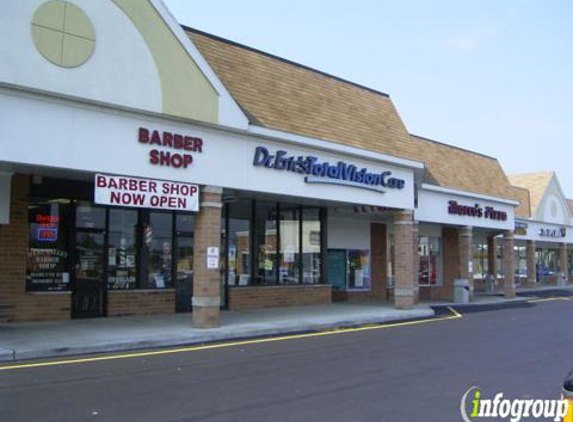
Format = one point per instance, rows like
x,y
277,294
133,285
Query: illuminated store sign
x,y
476,211
166,142
316,171
145,193
47,228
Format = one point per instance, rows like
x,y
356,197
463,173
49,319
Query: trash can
x,y
461,291
561,279
567,393
489,284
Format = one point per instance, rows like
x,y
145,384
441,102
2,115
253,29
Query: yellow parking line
x,y
548,299
455,315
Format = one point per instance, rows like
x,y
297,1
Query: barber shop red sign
x,y
170,149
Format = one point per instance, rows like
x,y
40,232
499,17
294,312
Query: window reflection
x,y
266,243
158,238
122,263
285,238
429,251
290,244
311,258
239,221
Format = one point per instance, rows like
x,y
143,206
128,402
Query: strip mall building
x,y
149,168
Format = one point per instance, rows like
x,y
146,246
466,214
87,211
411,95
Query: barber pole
x,y
148,235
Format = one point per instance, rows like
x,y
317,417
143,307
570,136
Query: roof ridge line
x,y
282,59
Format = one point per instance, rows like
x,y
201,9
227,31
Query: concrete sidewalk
x,y
31,340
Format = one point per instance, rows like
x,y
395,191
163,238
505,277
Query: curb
x,y
209,336
7,355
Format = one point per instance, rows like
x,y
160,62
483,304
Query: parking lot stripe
x,y
454,315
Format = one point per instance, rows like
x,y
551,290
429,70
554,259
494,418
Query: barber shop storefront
x,y
97,253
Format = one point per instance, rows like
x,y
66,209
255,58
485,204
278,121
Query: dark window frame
x,y
253,255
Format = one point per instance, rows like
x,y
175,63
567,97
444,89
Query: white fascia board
x,y
230,114
533,220
330,146
434,188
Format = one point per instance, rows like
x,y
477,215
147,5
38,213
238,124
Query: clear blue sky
x,y
492,76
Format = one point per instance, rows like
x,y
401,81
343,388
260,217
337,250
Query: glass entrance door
x,y
88,290
183,254
184,281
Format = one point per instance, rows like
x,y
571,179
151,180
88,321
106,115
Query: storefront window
x,y
430,261
286,239
266,243
349,269
289,258
359,269
238,243
122,250
158,238
48,253
520,262
481,262
89,216
311,258
499,258
546,266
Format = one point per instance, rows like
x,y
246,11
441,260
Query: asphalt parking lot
x,y
415,371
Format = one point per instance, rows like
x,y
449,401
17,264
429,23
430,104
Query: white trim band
x,y
404,292
433,188
211,204
206,301
212,189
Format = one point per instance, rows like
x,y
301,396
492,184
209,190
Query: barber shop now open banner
x,y
127,191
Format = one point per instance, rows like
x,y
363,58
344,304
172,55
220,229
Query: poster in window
x,y
358,278
46,269
47,263
289,255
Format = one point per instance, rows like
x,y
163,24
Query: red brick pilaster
x,y
206,282
509,264
379,265
531,268
563,261
405,293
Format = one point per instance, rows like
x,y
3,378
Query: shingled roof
x,y
458,168
521,195
535,183
282,95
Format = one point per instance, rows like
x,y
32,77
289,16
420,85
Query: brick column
x,y
465,245
379,264
415,240
206,282
563,261
508,264
406,283
531,267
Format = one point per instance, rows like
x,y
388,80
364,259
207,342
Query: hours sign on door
x,y
128,191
